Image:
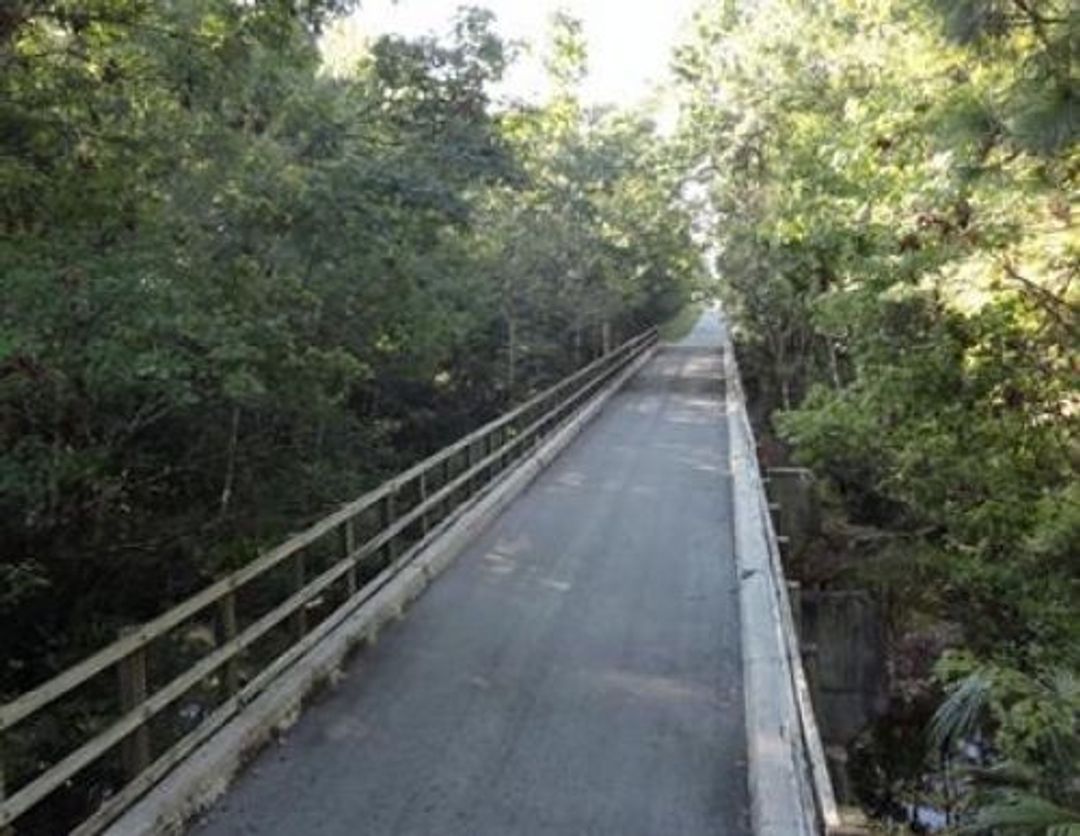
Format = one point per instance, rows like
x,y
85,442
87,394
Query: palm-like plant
x,y
1032,785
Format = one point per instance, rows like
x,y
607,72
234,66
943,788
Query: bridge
x,y
572,621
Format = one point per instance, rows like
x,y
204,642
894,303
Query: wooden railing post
x,y
448,503
299,619
535,441
500,443
3,785
131,670
423,499
5,830
227,616
388,516
349,537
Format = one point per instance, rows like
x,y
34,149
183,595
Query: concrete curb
x,y
779,805
205,776
781,765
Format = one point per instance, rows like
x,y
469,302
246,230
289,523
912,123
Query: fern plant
x,y
1030,785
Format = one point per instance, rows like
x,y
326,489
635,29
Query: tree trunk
x,y
230,463
511,356
834,364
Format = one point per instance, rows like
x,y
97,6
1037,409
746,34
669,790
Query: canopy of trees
x,y
893,193
236,289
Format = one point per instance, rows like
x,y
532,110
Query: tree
x,y
237,290
890,191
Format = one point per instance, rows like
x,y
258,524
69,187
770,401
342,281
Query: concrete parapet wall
x,y
798,514
843,636
790,790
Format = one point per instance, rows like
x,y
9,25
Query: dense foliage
x,y
892,185
236,288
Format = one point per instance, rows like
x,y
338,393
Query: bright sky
x,y
630,41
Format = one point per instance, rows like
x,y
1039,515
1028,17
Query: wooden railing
x,y
147,700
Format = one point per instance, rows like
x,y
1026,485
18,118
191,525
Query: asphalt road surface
x,y
575,671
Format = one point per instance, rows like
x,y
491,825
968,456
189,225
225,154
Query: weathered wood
x,y
20,708
3,782
89,752
422,487
500,436
135,750
115,804
5,830
230,677
299,619
388,516
348,533
128,653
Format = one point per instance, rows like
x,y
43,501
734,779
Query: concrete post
x,y
798,514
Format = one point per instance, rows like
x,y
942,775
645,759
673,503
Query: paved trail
x,y
576,671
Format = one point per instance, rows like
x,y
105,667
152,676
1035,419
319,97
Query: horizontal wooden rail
x,y
15,711
502,438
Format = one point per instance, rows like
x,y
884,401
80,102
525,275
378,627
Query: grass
x,y
682,323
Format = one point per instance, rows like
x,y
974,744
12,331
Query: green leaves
x,y
1020,813
960,714
885,183
235,290
1030,790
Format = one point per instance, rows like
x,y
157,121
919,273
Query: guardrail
x,y
791,793
181,676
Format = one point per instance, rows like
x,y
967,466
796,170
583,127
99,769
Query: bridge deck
x,y
575,671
